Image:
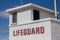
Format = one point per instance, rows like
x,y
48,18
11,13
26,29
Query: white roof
x,y
29,5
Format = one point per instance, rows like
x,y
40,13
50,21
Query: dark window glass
x,y
36,15
57,17
14,17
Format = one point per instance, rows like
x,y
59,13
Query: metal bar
x,y
55,8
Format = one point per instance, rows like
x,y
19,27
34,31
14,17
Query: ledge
x,y
37,21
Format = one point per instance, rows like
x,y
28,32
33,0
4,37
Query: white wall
x,y
45,14
24,16
55,30
45,36
10,19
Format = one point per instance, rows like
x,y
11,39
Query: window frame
x,y
35,15
14,17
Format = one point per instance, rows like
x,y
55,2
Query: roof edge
x,y
29,4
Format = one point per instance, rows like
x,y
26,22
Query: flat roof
x,y
27,6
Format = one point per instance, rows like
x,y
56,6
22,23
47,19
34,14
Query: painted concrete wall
x,y
25,21
45,14
10,19
25,16
55,30
45,36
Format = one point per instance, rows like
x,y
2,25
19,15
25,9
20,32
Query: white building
x,y
33,22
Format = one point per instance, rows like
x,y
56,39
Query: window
x,y
14,17
57,17
36,15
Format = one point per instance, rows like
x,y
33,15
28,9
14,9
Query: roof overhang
x,y
28,6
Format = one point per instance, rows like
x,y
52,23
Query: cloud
x,y
4,31
4,38
4,14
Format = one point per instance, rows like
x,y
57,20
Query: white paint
x,y
52,30
25,21
24,17
45,14
55,8
55,30
10,19
45,36
28,6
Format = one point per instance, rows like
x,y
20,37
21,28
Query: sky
x,y
7,4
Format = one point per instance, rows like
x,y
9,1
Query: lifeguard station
x,y
33,22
